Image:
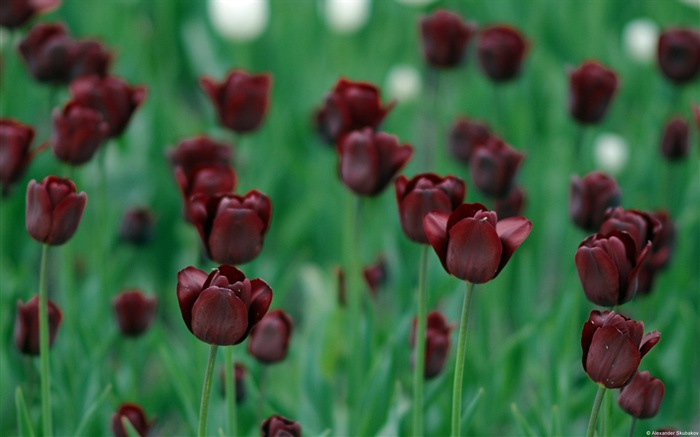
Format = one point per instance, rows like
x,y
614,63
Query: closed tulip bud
x,y
49,53
465,136
471,243
54,209
26,334
662,247
269,340
590,198
239,374
512,205
494,166
349,106
422,194
640,225
78,132
136,226
15,154
368,161
135,415
134,312
675,142
591,89
91,58
613,346
444,38
221,308
500,51
376,275
678,54
642,397
241,100
14,13
278,426
437,343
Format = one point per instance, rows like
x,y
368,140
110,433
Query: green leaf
x,y
23,420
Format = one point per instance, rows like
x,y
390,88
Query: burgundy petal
x,y
38,212
66,218
236,236
612,358
262,297
512,232
219,317
473,251
189,286
435,227
598,275
649,341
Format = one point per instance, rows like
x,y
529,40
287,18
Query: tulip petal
x,y
236,236
598,275
435,227
219,317
66,218
416,205
649,341
189,286
38,212
512,232
612,358
466,210
473,251
260,302
359,162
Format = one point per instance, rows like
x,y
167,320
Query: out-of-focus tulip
x,y
349,106
367,161
221,308
642,397
611,152
590,198
239,373
134,414
54,209
512,205
678,54
471,243
239,20
664,240
591,89
403,83
134,312
269,340
444,38
241,100
640,38
422,194
640,225
278,426
136,226
26,334
675,142
465,136
232,227
376,275
14,13
346,16
500,51
15,154
494,166
613,345
78,131
437,343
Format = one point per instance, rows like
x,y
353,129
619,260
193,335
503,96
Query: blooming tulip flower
x,y
471,243
437,343
278,426
590,198
26,334
444,38
269,340
134,312
15,154
500,51
675,142
494,166
662,247
78,133
221,308
613,345
591,88
136,226
678,54
14,13
465,136
642,397
134,414
54,209
640,225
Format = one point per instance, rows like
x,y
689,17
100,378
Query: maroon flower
x,y
444,38
78,133
376,275
239,373
662,246
368,161
136,226
613,345
494,166
500,51
14,13
232,227
640,225
15,154
422,194
134,312
241,100
224,306
471,244
91,58
278,426
465,137
269,340
27,325
437,343
111,96
590,198
642,397
54,209
678,54
350,106
591,88
512,205
134,414
675,142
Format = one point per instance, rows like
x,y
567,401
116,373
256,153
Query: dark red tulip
x,y
111,96
232,227
241,100
134,414
642,397
591,89
422,194
494,166
613,345
376,275
368,161
221,308
78,131
269,340
471,244
54,209
350,106
134,312
444,38
27,325
15,154
662,247
437,343
14,13
678,54
239,373
500,51
278,426
512,205
675,142
590,198
136,226
640,225
91,58
198,151
465,136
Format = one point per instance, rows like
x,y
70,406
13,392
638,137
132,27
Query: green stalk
x,y
419,365
631,433
595,410
429,123
459,364
204,405
607,424
352,274
23,421
44,346
230,390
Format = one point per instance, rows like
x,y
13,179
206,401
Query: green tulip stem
x,y
230,389
594,412
459,364
206,389
579,156
634,421
429,126
419,364
44,345
352,274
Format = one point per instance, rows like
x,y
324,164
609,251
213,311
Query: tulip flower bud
x,y
590,198
465,137
500,51
511,205
494,166
15,154
640,225
239,374
134,312
78,133
437,343
26,334
444,38
269,340
591,88
278,426
642,397
678,54
14,13
675,142
54,209
136,226
134,414
240,20
375,275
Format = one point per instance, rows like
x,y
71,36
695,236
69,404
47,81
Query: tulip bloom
x,y
662,246
511,205
500,51
471,244
136,226
134,312
422,194
54,209
78,133
590,198
134,414
221,308
241,100
232,227
675,142
465,137
437,343
278,426
375,275
642,397
678,54
494,166
444,38
26,334
640,225
15,154
368,161
591,88
269,340
14,13
613,345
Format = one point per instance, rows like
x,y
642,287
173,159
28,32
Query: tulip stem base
x,y
206,389
230,390
634,421
594,412
459,364
419,364
44,345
